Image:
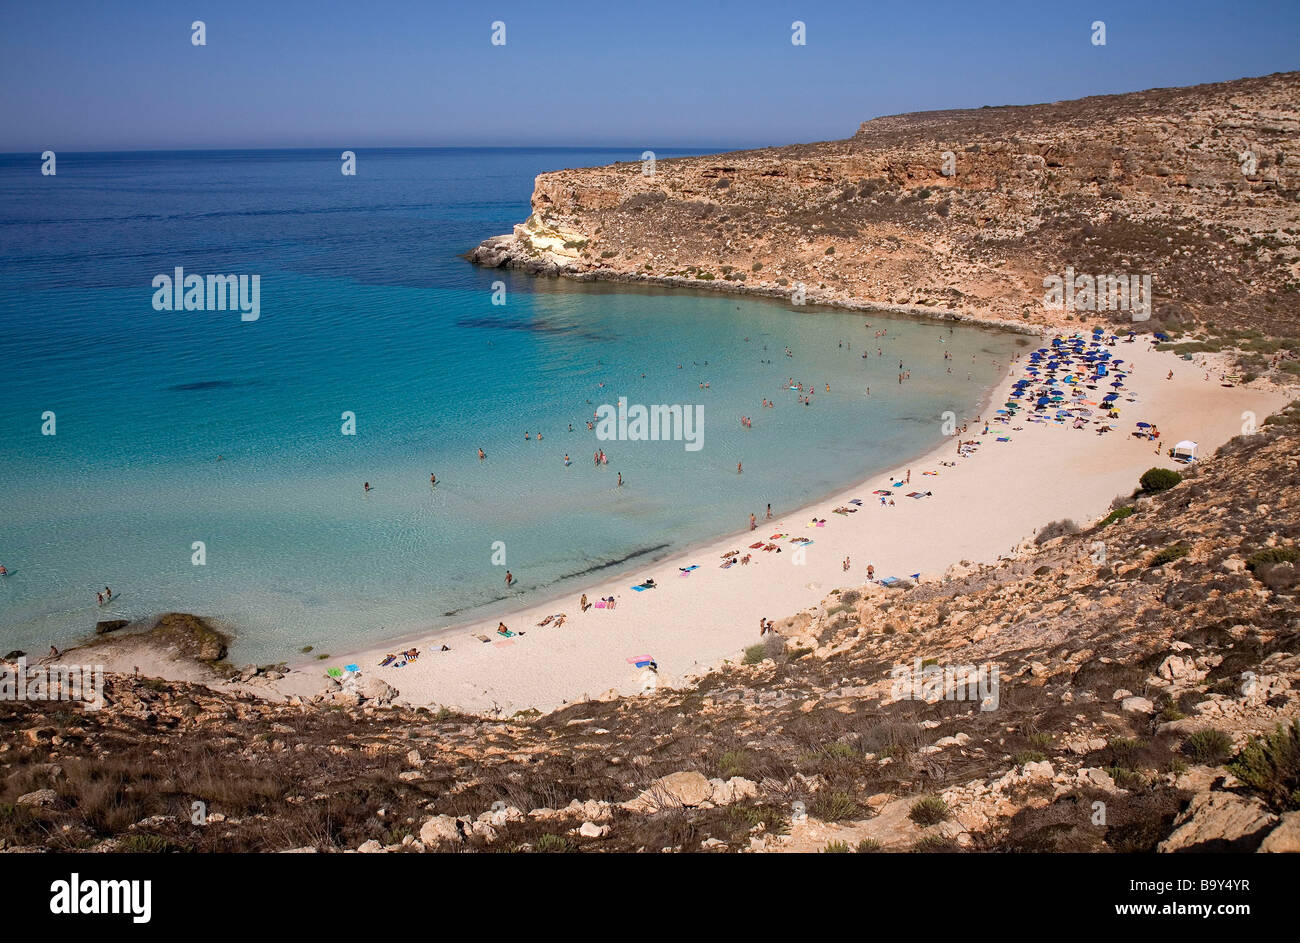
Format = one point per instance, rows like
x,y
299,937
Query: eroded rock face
x,y
1220,821
1149,182
1285,839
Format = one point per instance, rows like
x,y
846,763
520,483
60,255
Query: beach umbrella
x,y
1144,425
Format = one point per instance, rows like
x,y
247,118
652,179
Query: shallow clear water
x,y
366,307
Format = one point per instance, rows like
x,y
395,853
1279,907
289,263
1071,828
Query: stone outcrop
x,y
963,213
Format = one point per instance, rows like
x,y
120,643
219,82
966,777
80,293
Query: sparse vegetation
x,y
1155,480
1270,766
1208,746
930,810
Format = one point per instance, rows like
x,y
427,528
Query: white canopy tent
x,y
1185,451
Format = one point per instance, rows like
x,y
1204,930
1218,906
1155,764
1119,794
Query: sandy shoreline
x,y
980,510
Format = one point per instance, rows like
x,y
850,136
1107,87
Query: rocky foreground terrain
x,y
1197,187
1146,697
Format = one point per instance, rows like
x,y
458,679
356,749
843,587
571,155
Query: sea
x,y
209,462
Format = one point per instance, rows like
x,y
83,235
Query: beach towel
x,y
504,643
858,501
882,492
482,638
1004,438
600,605
888,581
640,589
687,569
349,667
916,494
334,672
755,546
638,659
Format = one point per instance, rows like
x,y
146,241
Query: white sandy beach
x,y
980,510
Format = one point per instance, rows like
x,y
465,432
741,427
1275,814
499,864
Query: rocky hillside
x,y
1146,697
1148,183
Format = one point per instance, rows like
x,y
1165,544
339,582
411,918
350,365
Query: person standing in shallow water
x,y
510,578
739,469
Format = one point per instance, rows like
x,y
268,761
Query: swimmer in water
x,y
367,487
481,456
432,479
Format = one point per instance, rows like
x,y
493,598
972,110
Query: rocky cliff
x,y
1139,689
966,212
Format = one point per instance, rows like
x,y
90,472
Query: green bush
x,y
932,844
1116,515
834,806
1208,746
553,844
735,763
1169,554
928,811
1159,479
755,653
836,848
1270,765
1270,556
868,846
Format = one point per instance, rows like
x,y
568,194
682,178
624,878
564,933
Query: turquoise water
x,y
366,307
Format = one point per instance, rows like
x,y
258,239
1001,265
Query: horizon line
x,y
389,147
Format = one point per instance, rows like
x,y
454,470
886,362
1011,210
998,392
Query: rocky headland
x,y
963,214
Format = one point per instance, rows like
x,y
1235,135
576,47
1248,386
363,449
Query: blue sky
x,y
124,75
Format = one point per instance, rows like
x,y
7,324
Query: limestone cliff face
x,y
1147,183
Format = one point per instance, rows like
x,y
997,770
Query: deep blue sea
x,y
176,427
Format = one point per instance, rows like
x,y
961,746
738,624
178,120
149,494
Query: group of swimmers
x,y
105,596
